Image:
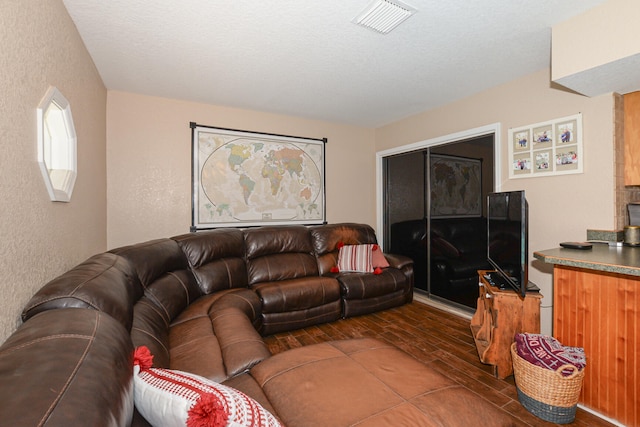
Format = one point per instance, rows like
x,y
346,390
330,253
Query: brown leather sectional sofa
x,y
200,302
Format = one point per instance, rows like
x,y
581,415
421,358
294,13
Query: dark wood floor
x,y
435,337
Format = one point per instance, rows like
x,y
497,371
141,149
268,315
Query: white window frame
x,y
57,145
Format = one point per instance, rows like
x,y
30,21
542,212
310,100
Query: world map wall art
x,y
242,178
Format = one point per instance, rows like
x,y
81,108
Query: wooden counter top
x,y
602,257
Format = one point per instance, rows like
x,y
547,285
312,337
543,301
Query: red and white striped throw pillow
x,y
377,258
166,397
356,258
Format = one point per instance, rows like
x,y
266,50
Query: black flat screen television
x,y
508,240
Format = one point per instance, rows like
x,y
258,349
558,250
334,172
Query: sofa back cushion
x,y
164,274
163,301
279,253
216,258
153,259
104,282
151,329
169,287
327,237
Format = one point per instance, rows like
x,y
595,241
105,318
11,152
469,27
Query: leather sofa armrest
x,y
54,370
240,344
398,261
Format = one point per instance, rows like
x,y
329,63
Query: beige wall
x,y
149,163
40,238
561,208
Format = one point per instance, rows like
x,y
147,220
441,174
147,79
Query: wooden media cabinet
x,y
501,314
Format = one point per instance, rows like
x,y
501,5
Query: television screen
x,y
507,239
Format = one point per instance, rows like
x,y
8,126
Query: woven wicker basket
x,y
545,393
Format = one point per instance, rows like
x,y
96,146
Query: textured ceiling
x,y
306,58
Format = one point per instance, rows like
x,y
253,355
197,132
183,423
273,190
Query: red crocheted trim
x,y
142,357
208,411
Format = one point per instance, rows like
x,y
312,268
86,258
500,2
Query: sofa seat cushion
x,y
358,307
242,298
363,285
298,303
297,294
189,341
367,293
365,382
273,323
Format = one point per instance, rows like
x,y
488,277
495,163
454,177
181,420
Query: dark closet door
x,y
405,226
408,224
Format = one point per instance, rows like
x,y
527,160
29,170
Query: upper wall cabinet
x,y
632,138
57,145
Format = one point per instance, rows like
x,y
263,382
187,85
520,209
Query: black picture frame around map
x,y
460,197
243,178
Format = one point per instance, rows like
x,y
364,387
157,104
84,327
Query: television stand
x,y
495,279
500,314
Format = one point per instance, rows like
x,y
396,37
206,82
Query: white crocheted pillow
x,y
166,397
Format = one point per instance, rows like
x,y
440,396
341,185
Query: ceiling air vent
x,y
383,15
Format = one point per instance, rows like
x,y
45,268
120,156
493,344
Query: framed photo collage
x,y
548,148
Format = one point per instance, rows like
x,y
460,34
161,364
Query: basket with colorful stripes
x,y
545,393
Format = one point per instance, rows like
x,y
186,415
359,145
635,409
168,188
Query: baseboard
x,y
599,415
426,299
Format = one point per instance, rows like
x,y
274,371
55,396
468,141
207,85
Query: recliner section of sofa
x,y
216,258
282,269
362,293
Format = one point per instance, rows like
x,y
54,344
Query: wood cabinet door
x,y
632,138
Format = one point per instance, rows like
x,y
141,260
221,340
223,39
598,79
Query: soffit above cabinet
x,y
597,51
